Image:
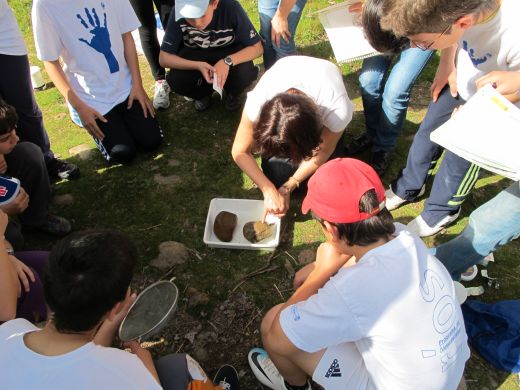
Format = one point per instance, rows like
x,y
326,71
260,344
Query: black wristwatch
x,y
228,61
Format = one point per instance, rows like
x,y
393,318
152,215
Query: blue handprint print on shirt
x,y
101,38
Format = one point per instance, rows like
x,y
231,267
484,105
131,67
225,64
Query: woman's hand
x,y
138,93
24,274
275,203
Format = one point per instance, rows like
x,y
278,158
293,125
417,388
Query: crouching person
x,y
87,288
375,310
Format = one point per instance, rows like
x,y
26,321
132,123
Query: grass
x,y
127,197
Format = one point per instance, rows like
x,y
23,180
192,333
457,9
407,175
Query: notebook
x,y
345,33
485,131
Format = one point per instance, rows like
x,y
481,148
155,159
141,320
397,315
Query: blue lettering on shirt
x,y
471,52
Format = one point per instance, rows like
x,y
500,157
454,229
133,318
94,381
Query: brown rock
x,y
170,253
257,231
63,200
224,225
195,297
166,180
306,256
83,151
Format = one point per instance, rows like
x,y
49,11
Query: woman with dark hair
x,y
293,119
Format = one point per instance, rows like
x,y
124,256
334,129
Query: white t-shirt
x,y
87,35
319,79
398,306
494,45
11,41
88,367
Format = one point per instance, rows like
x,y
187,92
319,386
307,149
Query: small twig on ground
x,y
182,345
279,292
167,273
150,227
260,271
213,325
195,253
252,319
292,257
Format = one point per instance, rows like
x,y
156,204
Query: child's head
x,y
197,13
433,24
8,120
88,273
348,194
381,40
290,126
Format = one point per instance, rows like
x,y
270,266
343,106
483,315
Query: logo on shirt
x,y
295,314
474,59
201,39
3,191
252,34
100,40
334,370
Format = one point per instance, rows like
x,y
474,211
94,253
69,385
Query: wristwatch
x,y
228,61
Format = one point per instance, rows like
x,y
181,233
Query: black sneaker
x,y
227,378
232,102
379,161
62,170
203,104
57,226
360,144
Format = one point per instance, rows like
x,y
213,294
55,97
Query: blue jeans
x,y
385,104
493,224
266,10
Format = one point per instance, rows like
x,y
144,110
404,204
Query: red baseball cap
x,y
335,189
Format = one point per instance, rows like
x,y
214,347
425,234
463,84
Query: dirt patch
x,y
166,180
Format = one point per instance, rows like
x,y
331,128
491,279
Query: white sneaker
x,y
265,370
422,229
394,201
161,96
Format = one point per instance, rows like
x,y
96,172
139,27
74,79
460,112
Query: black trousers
x,y
126,131
148,30
192,84
27,164
16,89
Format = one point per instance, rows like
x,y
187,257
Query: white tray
x,y
247,210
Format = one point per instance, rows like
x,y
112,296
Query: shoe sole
x,y
221,367
258,372
395,207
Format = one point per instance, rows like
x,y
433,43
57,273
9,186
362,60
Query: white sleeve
x,y
46,38
339,115
321,321
127,18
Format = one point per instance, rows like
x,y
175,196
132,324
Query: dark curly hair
x,y
289,126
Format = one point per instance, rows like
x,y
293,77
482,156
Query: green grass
x,y
127,198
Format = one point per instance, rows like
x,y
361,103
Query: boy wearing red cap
x,y
375,310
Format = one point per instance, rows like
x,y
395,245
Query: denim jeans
x,y
385,104
493,224
266,10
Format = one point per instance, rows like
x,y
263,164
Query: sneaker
x,y
161,96
227,378
57,226
360,144
470,274
232,102
62,170
422,229
394,201
379,161
264,369
203,104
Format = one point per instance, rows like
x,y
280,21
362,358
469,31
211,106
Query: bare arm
x,y
145,356
243,156
446,73
9,284
248,53
137,92
279,24
86,113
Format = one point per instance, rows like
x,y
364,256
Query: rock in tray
x,y
224,225
257,231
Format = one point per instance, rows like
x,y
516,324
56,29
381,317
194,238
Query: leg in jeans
x,y
266,10
490,226
26,163
424,153
148,32
371,78
16,89
31,305
396,96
